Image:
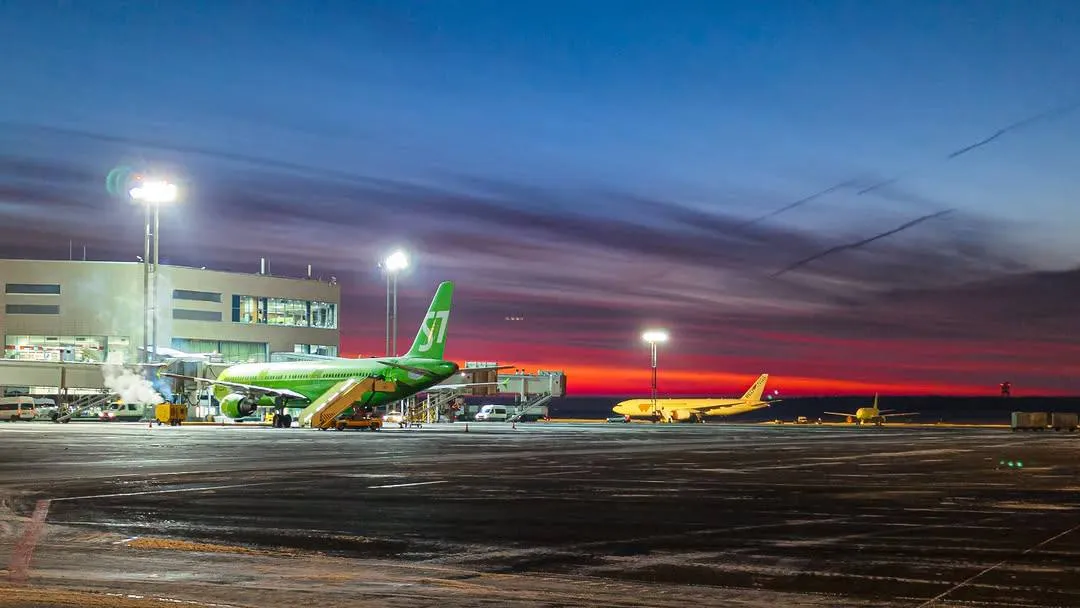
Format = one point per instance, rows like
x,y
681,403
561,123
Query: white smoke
x,y
131,387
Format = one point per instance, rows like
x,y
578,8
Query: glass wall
x,y
282,311
287,312
61,348
248,309
324,315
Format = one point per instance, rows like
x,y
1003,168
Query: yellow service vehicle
x,y
371,424
170,413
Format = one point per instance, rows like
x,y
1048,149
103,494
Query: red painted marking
x,y
19,567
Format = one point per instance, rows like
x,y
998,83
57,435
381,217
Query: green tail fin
x,y
431,339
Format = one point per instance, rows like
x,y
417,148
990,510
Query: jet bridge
x,y
534,391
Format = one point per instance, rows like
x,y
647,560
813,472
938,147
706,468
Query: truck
x,y
1030,421
1064,421
170,413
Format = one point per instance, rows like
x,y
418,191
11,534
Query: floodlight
x,y
155,191
655,335
396,261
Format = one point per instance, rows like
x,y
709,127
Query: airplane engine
x,y
235,405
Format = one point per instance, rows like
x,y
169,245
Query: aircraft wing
x,y
903,414
248,388
838,414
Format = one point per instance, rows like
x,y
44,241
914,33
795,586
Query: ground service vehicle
x,y
1030,421
371,424
170,413
492,413
17,408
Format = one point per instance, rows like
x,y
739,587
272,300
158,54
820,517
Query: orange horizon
x,y
585,380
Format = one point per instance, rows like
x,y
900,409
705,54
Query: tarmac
x,y
116,514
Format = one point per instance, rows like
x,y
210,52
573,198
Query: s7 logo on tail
x,y
429,331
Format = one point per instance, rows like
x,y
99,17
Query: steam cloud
x,y
131,387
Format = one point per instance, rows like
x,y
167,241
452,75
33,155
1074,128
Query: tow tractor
x,y
371,424
360,419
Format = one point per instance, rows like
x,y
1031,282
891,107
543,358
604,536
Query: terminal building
x,y
61,320
90,312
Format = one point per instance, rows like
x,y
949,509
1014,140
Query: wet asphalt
x,y
622,514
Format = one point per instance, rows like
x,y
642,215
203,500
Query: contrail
x,y
1065,109
857,244
1014,126
801,201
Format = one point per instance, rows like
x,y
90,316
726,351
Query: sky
x,y
851,196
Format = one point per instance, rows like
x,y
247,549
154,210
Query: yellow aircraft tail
x,y
756,389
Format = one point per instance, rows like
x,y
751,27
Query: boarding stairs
x,y
436,402
84,403
322,412
534,403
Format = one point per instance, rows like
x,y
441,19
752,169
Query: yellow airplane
x,y
695,410
870,415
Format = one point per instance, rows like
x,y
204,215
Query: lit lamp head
x,y
655,336
155,192
396,261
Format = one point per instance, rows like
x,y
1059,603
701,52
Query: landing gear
x,y
281,420
698,418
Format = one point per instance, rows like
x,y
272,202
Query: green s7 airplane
x,y
242,388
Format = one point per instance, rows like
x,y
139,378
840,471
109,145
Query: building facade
x,y
93,311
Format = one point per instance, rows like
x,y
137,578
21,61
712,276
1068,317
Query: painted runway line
x,y
407,485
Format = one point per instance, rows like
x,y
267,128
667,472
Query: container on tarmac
x,y
1030,421
1064,421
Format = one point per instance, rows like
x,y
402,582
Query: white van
x,y
17,408
492,413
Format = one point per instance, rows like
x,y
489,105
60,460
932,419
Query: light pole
x,y
654,337
152,193
393,264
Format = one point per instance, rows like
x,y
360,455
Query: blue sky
x,y
572,151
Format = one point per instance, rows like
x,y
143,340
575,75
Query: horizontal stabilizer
x,y
409,368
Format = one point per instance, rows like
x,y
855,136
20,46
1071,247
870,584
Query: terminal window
x,y
61,348
196,315
324,315
32,289
32,309
287,312
324,350
248,309
283,311
196,296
